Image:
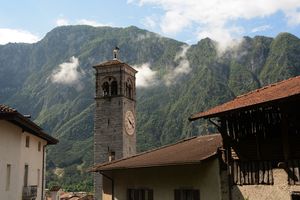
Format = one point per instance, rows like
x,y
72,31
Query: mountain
x,y
187,79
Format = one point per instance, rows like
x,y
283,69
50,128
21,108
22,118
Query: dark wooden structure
x,y
260,131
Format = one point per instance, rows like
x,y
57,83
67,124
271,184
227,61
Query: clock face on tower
x,y
129,123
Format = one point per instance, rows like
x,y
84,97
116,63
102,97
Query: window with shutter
x,y
186,194
139,194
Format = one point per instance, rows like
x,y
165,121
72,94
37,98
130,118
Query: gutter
x,y
112,184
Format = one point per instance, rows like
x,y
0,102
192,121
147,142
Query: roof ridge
x,y
266,87
155,149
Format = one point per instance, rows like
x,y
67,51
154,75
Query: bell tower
x,y
115,117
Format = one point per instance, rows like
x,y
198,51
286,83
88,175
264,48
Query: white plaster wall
x,y
14,152
163,181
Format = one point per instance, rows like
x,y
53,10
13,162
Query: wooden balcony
x,y
29,192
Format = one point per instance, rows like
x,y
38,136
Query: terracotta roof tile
x,y
109,62
189,151
273,92
112,63
6,109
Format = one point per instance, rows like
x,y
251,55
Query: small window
x,y
39,146
186,194
8,173
139,194
27,141
105,88
129,89
26,175
111,156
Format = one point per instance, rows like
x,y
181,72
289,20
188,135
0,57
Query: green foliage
x,y
283,60
66,111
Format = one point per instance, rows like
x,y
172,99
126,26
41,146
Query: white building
x,y
22,156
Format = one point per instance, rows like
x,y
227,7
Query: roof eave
x,y
222,113
153,165
27,125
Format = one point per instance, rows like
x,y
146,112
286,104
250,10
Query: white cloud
x,y
62,22
225,37
215,16
261,28
65,22
149,22
182,68
173,22
293,18
68,73
91,23
145,76
15,35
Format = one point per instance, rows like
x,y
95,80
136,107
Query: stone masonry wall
x,y
281,190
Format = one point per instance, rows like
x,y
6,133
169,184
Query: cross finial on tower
x,y
116,53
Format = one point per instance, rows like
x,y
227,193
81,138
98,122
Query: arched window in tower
x,y
114,88
105,89
129,89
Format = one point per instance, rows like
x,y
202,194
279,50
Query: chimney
x,y
116,53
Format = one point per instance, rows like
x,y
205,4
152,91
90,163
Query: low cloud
x,y
146,36
181,69
91,23
62,22
149,22
68,73
145,77
261,28
66,22
16,35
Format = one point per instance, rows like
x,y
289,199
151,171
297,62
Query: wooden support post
x,y
285,134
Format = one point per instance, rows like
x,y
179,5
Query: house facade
x,y
261,137
22,156
189,169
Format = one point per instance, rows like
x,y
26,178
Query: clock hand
x,y
130,122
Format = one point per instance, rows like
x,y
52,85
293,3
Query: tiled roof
x,y
189,151
20,120
109,62
270,93
112,63
6,109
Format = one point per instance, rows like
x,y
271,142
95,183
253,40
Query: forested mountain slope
x,y
186,79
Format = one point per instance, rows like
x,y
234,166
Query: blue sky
x,y
184,20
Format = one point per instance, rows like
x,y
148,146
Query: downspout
x,y
43,173
112,185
